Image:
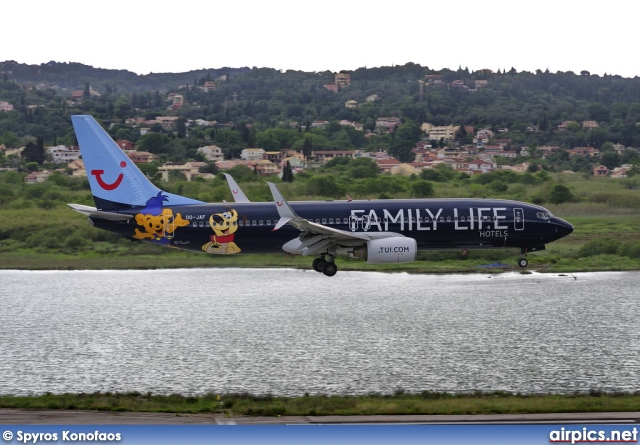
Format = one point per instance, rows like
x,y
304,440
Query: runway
x,y
69,417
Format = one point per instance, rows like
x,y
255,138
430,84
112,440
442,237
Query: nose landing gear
x,y
522,262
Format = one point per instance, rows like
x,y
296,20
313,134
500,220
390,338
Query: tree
x,y
242,173
323,185
362,167
360,172
439,173
86,94
231,142
287,173
123,107
574,127
59,179
432,174
306,148
274,139
598,112
181,127
422,189
32,167
6,194
560,194
177,176
10,140
209,167
150,170
404,141
34,152
446,170
153,143
611,159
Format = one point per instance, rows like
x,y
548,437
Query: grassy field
x,y
318,405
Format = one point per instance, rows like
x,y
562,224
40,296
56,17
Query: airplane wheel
x,y
319,264
522,262
330,269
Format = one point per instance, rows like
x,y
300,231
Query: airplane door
x,y
366,223
518,219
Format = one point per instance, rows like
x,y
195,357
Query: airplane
x,y
376,231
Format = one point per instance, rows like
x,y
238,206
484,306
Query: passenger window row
x,y
269,222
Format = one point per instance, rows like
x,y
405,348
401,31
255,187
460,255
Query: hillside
x,y
71,76
267,108
505,100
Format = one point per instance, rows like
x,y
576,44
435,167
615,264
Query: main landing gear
x,y
325,265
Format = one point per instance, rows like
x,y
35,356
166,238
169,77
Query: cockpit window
x,y
543,215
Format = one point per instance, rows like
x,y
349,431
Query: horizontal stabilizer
x,y
92,212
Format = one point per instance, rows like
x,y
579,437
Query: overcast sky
x,y
179,36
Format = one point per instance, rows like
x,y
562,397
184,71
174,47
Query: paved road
x,y
66,417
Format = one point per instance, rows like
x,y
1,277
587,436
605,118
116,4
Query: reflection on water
x,y
287,332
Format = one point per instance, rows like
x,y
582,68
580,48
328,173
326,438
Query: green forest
x,y
270,109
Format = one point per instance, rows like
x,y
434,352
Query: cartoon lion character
x,y
224,226
158,227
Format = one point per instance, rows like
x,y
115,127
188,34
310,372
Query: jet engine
x,y
387,250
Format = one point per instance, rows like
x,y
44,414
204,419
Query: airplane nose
x,y
563,227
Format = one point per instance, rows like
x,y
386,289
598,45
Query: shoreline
x,y
246,406
480,270
539,263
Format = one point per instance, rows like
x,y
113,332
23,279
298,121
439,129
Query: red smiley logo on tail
x,y
106,186
279,203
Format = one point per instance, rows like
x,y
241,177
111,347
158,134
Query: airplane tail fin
x,y
116,182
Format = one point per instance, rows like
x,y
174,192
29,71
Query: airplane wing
x,y
289,216
317,237
236,191
92,212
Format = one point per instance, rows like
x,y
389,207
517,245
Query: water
x,y
287,332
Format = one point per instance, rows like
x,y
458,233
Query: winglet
x,y
236,191
284,209
281,223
